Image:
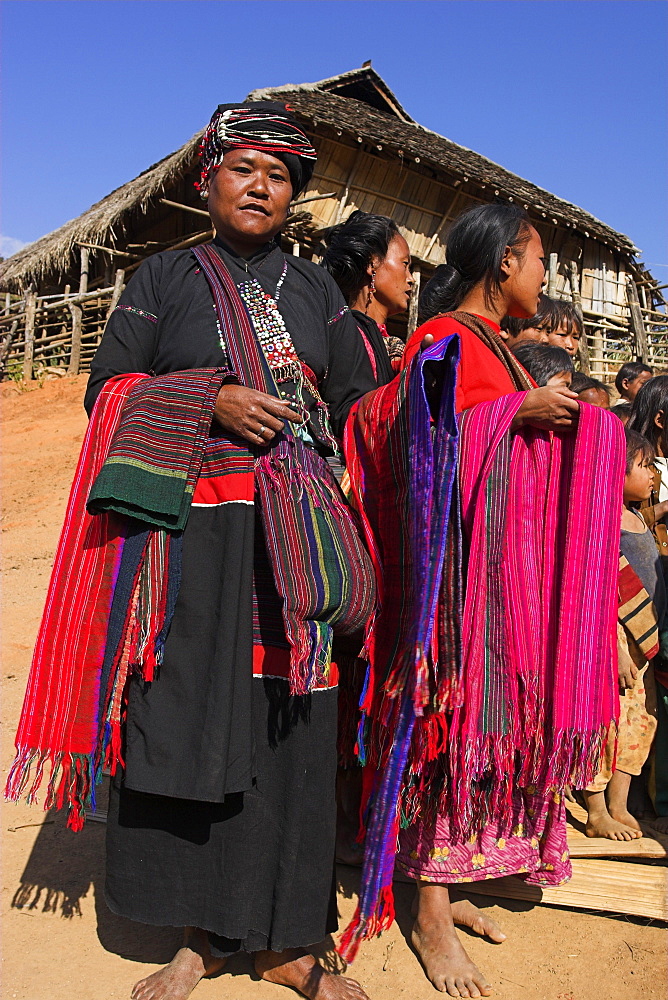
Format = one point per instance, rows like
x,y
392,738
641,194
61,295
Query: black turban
x,y
263,125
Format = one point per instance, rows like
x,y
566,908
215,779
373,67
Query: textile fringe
x,y
359,930
72,780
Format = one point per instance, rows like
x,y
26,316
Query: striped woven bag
x,y
321,569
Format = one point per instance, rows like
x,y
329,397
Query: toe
x,y
472,988
462,987
450,987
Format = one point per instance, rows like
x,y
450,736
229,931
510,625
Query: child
x,y
590,390
630,378
642,603
557,322
650,417
547,365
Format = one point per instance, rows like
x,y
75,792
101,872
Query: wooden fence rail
x,y
49,332
39,333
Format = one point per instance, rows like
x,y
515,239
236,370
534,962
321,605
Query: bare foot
x,y
446,963
624,817
605,826
466,914
301,971
178,979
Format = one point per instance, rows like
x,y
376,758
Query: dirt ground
x,y
60,941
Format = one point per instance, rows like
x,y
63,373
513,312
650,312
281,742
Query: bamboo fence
x,y
60,333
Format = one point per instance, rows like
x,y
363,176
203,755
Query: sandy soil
x,y
59,939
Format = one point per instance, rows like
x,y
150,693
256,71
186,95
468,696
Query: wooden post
x,y
552,275
75,354
346,191
117,292
83,280
413,304
29,349
583,347
6,345
640,344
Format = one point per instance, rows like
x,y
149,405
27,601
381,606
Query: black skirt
x,y
257,870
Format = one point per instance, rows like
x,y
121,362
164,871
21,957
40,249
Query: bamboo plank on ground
x,y
616,886
651,845
580,846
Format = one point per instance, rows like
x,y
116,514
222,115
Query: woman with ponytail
x,y
491,677
370,261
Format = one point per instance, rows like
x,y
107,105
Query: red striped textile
x,y
104,618
59,721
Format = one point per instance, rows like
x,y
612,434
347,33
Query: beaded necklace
x,y
288,371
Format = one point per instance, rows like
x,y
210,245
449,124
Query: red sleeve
x,y
481,376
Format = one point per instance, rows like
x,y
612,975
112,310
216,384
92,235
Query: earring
x,y
370,293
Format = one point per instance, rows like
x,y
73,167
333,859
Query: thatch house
x,y
373,156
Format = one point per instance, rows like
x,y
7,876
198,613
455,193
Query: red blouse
x,y
481,376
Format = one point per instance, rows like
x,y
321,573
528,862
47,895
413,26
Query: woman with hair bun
x,y
491,677
370,261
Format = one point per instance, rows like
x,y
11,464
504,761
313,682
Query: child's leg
x,y
599,821
618,794
636,733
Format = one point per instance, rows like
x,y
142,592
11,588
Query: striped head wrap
x,y
264,125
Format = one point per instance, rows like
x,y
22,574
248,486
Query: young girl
x,y
640,579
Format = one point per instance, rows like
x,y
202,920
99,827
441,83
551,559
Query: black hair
x,y
636,444
652,399
580,383
542,361
552,314
623,411
474,251
630,371
351,246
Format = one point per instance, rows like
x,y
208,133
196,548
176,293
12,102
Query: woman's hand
x,y
252,415
552,408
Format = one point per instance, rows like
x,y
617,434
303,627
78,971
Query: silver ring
x,y
261,430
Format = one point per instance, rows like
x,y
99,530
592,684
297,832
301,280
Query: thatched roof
x,y
410,140
359,103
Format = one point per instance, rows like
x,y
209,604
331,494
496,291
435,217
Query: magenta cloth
x,y
539,627
535,846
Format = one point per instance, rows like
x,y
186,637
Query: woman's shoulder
x,y
313,273
438,327
164,264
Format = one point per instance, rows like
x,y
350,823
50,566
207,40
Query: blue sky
x,y
571,95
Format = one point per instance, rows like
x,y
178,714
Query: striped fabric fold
x,y
114,582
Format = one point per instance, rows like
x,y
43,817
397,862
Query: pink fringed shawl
x,y
539,627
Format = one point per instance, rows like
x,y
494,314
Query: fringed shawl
x,y
89,637
532,695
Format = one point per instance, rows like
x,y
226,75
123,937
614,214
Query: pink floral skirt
x,y
535,846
